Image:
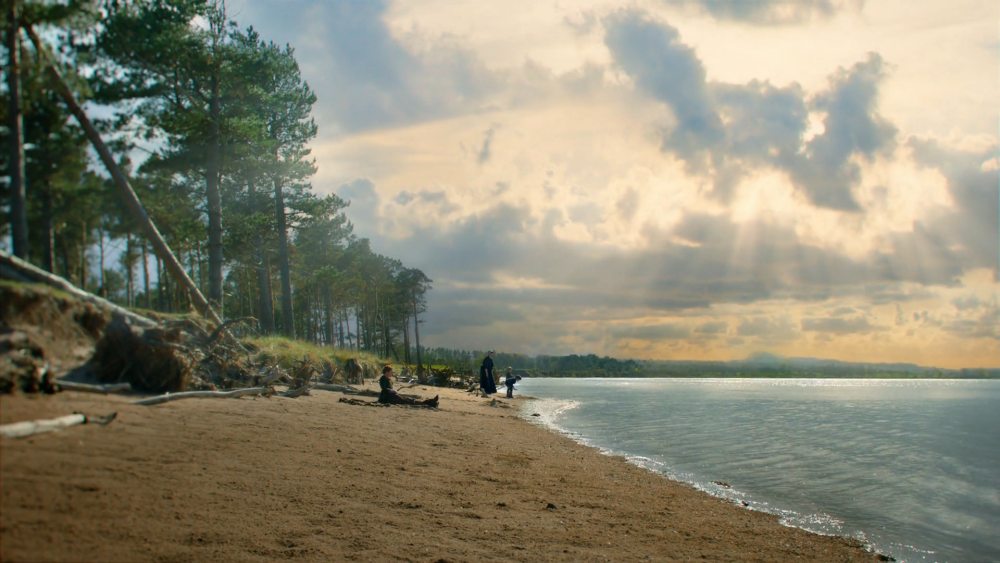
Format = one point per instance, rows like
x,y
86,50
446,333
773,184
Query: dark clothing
x,y
389,396
486,382
509,382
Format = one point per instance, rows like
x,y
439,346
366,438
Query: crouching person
x,y
389,395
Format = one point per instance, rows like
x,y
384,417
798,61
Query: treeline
x,y
602,366
468,361
211,123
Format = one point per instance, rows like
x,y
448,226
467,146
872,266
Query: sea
x,y
909,467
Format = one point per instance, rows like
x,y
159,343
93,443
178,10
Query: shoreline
x,y
716,489
317,479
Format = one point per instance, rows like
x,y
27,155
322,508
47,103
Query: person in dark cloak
x,y
486,381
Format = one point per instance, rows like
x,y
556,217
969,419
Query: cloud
x,y
969,231
769,11
364,76
662,331
837,325
712,328
852,128
653,55
770,328
721,130
605,187
487,148
363,202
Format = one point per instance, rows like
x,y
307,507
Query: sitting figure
x,y
509,380
388,395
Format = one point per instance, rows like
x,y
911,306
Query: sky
x,y
670,179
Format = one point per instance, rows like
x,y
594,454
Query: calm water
x,y
910,467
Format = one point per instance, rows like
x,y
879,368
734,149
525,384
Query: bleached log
x,y
32,427
89,388
204,395
12,267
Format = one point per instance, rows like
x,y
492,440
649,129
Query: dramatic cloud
x,y
746,125
852,128
768,11
363,75
642,180
663,66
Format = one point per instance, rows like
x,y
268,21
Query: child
x,y
510,380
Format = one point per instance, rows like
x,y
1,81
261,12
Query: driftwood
x,y
361,403
267,391
297,392
12,267
89,388
32,427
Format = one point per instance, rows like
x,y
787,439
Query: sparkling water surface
x,y
911,467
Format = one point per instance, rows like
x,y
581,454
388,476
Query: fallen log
x,y
297,392
12,267
32,427
90,388
267,391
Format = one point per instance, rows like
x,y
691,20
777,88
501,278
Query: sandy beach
x,y
317,479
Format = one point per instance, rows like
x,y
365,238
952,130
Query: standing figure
x,y
510,380
486,381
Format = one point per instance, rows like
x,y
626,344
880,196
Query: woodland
x,y
210,123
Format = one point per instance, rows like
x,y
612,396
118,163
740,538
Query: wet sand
x,y
315,479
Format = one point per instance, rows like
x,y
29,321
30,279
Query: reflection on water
x,y
906,465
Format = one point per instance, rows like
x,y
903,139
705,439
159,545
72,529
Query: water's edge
x,y
720,489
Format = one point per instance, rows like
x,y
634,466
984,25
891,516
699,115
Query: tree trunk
x,y
342,319
48,231
328,315
416,332
100,246
85,236
129,274
406,340
125,189
214,197
145,276
265,293
15,123
161,301
287,319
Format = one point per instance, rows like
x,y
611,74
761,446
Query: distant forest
x,y
763,365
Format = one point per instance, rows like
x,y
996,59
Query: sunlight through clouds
x,y
684,179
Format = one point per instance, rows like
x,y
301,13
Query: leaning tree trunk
x,y
15,122
121,182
